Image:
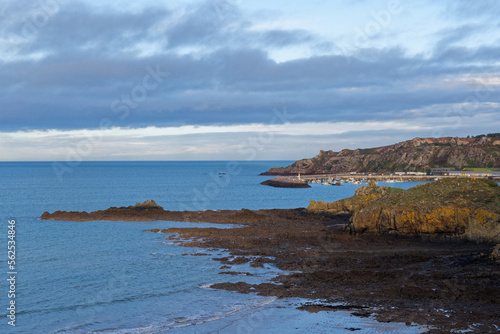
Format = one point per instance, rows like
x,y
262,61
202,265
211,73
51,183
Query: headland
x,y
418,155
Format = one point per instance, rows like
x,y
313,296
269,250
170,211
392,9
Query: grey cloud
x,y
450,36
206,23
228,86
232,81
287,37
465,55
220,23
467,9
79,27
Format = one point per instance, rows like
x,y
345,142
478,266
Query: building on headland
x,y
442,171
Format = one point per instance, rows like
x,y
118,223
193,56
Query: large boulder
x,y
455,206
465,207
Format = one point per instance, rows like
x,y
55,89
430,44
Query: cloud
x,y
81,64
474,9
271,140
63,29
231,87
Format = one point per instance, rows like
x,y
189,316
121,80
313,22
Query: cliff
x,y
459,206
411,155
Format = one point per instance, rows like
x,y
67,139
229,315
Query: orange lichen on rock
x,y
462,207
362,197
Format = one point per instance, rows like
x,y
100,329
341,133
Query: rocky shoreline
x,y
448,283
445,282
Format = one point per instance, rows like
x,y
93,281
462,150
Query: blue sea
x,y
112,277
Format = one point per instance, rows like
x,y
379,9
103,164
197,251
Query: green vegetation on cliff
x,y
459,206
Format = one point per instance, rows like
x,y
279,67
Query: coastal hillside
x,y
408,156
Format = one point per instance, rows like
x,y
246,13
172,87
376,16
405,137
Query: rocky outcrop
x,y
133,213
459,207
362,197
284,182
411,155
146,211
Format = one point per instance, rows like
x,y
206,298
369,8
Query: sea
x,y
113,277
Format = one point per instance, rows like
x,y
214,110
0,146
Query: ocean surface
x,y
112,277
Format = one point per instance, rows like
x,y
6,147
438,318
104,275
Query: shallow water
x,y
112,277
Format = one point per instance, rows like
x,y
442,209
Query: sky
x,y
241,80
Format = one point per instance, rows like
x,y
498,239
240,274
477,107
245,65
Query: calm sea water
x,y
112,277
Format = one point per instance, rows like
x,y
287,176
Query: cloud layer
x,y
70,65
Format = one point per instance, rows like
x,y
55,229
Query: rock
x,y
463,207
362,197
146,205
284,182
235,273
495,255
